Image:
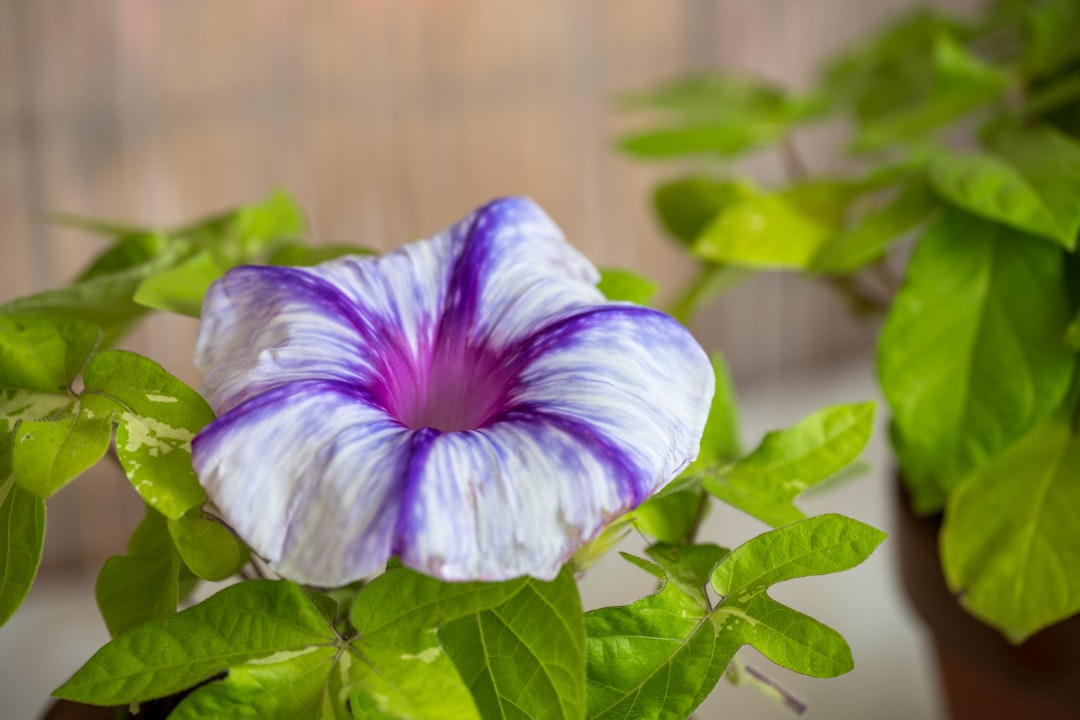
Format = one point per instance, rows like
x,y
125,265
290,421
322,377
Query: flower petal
x,y
610,408
265,327
485,280
561,411
309,475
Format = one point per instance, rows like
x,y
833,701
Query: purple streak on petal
x,y
308,475
409,472
266,326
514,498
634,482
563,331
521,271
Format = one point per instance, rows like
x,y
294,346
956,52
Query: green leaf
x,y
43,353
717,113
287,685
766,482
886,70
142,585
401,602
1052,29
208,548
260,224
48,454
601,545
689,567
783,230
526,657
1029,182
725,138
242,235
625,286
671,516
299,255
687,206
22,535
1008,544
157,417
815,546
248,621
281,657
132,248
971,356
949,83
661,656
16,405
180,289
871,236
413,683
103,300
394,616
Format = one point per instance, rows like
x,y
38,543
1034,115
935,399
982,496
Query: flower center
x,y
458,389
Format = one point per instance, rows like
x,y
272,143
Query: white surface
x,y
58,627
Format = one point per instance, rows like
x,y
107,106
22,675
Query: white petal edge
x,y
309,476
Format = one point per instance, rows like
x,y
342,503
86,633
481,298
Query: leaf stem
x,y
794,167
699,516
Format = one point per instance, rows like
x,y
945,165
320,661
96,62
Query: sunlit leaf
x,y
868,239
207,547
971,357
661,656
42,352
142,585
249,621
687,206
787,462
22,535
783,230
689,567
626,286
1030,181
48,454
157,417
180,289
526,657
1008,544
104,300
130,250
285,686
815,546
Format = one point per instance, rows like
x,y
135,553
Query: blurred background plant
x,y
965,136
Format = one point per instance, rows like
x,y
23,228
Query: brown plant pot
x,y
984,676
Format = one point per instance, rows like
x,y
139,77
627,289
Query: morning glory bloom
x,y
470,403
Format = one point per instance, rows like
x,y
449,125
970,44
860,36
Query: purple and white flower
x,y
470,403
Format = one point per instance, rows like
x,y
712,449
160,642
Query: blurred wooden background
x,y
388,120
